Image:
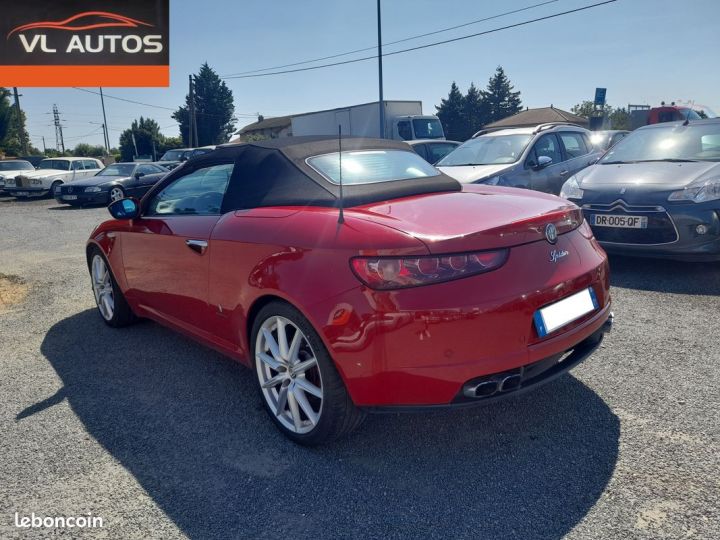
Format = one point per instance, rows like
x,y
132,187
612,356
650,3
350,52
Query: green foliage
x,y
11,131
146,132
450,113
615,118
88,150
463,115
501,99
169,143
214,110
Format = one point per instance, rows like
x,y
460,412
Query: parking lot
x,y
162,437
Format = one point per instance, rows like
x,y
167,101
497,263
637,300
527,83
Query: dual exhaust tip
x,y
493,386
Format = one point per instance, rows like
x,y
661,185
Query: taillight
x,y
387,273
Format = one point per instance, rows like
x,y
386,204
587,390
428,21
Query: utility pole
x,y
19,124
59,142
44,147
132,133
105,126
380,75
192,126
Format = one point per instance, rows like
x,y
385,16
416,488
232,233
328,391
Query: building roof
x,y
267,123
534,117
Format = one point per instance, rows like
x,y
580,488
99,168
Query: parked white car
x,y
50,175
12,167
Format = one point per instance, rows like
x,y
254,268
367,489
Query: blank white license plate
x,y
69,197
622,222
567,310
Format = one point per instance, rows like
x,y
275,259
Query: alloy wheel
x,y
289,374
116,194
103,288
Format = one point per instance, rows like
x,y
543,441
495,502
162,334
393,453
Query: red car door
x,y
166,252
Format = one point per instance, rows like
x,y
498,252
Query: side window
x,y
147,169
76,166
420,150
199,192
90,164
574,144
547,145
404,130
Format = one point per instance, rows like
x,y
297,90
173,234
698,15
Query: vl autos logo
x,y
85,43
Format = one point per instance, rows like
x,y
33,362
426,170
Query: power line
x,y
434,44
152,105
410,38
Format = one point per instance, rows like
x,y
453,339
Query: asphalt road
x,y
163,438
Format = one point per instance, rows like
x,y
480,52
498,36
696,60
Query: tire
x,y
119,313
51,193
335,415
118,191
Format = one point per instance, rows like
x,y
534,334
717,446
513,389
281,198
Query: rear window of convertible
x,y
372,166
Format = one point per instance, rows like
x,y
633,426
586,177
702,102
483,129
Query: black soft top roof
x,y
275,173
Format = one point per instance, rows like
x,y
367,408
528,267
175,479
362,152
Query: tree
x,y
475,112
586,109
620,119
12,128
214,110
88,150
450,113
147,138
500,98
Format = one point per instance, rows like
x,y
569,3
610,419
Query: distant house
x,y
268,128
534,117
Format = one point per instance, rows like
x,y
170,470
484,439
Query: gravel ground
x,y
163,438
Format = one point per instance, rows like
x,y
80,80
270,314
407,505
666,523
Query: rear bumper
x,y
499,386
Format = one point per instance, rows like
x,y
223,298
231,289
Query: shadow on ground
x,y
678,277
189,426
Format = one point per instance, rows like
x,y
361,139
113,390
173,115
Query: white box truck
x,y
404,121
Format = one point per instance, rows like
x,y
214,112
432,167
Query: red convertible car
x,y
351,275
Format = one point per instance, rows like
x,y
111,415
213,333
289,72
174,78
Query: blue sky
x,y
643,51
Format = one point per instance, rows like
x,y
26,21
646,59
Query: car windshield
x,y
117,169
487,150
372,166
58,164
173,155
16,166
428,128
700,142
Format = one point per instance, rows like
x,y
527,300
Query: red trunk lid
x,y
477,218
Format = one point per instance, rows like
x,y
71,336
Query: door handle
x,y
198,246
563,173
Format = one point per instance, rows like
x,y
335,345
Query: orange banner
x,y
54,76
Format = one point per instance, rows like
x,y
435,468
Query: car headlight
x,y
708,190
10,182
36,181
571,189
92,189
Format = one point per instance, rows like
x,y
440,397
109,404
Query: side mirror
x,y
543,161
124,209
139,175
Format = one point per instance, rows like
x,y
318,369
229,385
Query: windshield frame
x,y
19,165
652,137
471,142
